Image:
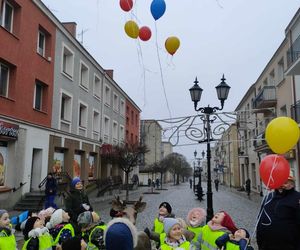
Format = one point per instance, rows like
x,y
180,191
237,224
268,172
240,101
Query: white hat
x,y
56,218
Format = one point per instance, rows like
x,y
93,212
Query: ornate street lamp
x,y
194,175
199,171
196,92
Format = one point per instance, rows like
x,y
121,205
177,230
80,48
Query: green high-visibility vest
x,y
196,231
7,242
158,226
184,246
209,238
90,245
232,246
45,242
162,238
67,226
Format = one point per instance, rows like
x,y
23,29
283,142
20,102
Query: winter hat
x,y
246,231
2,211
85,218
29,225
169,223
120,232
167,206
75,181
199,211
228,222
56,218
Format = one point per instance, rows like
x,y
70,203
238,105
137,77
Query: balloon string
x,y
161,73
265,200
143,75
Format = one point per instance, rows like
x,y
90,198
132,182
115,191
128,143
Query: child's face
x,y
218,218
163,211
4,220
78,185
65,217
38,224
241,233
176,232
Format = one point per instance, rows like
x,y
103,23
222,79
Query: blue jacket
x,y
224,240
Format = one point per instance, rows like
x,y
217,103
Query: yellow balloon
x,y
132,29
282,134
172,44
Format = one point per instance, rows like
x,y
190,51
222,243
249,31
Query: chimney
x,y
110,72
71,27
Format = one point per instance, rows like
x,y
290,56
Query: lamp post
x,y
194,175
222,92
199,171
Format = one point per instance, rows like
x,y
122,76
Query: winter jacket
x,y
74,203
279,224
62,232
228,244
51,186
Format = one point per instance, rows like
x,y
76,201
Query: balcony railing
x,y
295,111
266,98
294,52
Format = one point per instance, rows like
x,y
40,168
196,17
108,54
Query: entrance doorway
x,y
36,169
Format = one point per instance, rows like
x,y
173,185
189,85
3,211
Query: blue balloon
x,y
158,8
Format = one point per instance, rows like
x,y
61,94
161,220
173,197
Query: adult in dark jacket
x,y
78,201
279,224
50,191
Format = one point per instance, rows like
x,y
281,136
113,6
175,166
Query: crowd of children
x,y
56,229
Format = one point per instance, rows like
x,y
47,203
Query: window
x,y
83,113
40,96
66,107
280,70
122,133
115,131
283,111
106,126
122,107
136,120
107,95
4,80
67,62
7,16
41,43
96,121
97,86
84,75
272,78
116,102
265,83
132,118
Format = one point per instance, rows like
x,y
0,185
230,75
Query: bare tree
x,y
126,157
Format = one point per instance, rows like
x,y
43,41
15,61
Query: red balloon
x,y
126,5
145,33
274,171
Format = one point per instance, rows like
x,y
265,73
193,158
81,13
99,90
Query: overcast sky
x,y
234,37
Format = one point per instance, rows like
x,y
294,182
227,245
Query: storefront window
x,y
58,162
77,165
3,161
91,166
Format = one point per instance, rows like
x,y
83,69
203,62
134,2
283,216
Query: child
x,y
174,236
238,241
60,228
7,238
164,211
36,235
220,224
92,229
195,221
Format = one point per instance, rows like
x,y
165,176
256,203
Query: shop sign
x,y
9,130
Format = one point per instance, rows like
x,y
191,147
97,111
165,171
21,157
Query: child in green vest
x,y
92,229
220,224
60,228
7,238
175,238
195,221
237,241
36,235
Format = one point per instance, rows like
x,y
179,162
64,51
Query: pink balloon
x,y
274,170
145,33
126,5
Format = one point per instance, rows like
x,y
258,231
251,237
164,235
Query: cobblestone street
x,y
242,209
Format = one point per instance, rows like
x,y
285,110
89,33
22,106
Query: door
x,y
36,169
